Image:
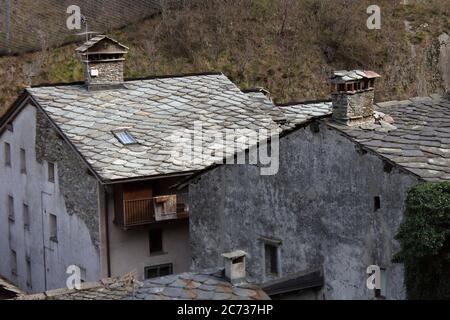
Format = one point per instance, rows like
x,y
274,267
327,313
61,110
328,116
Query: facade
x,y
88,170
333,209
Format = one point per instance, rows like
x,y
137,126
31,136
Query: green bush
x,y
425,242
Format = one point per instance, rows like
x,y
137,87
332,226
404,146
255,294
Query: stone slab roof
x,y
302,112
160,114
418,140
93,41
186,286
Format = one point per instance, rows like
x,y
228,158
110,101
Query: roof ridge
x,y
181,75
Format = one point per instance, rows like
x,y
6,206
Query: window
x,y
10,127
26,217
156,241
51,172
158,271
11,214
23,161
377,203
13,263
53,224
381,293
29,280
124,137
7,154
271,259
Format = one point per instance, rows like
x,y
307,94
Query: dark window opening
x,y
156,241
51,172
29,278
381,293
23,161
53,226
271,259
158,271
13,263
11,214
10,127
7,154
341,87
377,203
26,217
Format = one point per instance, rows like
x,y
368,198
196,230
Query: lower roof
x,y
418,139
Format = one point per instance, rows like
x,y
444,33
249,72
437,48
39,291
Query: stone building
x,y
87,170
338,199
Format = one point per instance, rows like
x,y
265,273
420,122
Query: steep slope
x,y
287,46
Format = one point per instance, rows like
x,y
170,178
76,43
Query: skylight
x,y
125,137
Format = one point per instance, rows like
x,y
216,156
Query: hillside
x,y
286,46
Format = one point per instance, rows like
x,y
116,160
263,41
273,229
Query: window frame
x,y
23,161
160,232
158,268
26,216
118,135
51,174
53,227
13,257
11,209
8,156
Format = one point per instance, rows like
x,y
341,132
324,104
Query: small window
x,y
156,241
51,172
11,214
23,161
124,137
10,127
7,154
377,203
13,263
29,278
26,217
83,275
158,271
381,293
271,259
53,225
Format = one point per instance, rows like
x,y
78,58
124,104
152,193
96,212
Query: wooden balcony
x,y
150,210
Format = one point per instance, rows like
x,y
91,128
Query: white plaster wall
x,y
74,244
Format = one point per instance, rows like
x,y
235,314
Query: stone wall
x,y
108,73
349,106
320,207
77,184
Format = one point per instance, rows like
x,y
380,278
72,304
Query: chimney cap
x,y
84,48
234,255
343,76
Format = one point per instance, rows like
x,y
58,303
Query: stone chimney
x,y
235,266
353,96
103,59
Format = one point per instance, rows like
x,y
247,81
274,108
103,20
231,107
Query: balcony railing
x,y
150,210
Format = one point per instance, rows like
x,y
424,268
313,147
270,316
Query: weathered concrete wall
x,y
320,206
72,198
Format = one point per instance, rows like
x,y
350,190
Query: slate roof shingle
x,y
186,286
421,141
160,113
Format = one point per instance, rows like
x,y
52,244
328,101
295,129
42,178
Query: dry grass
x,y
287,46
